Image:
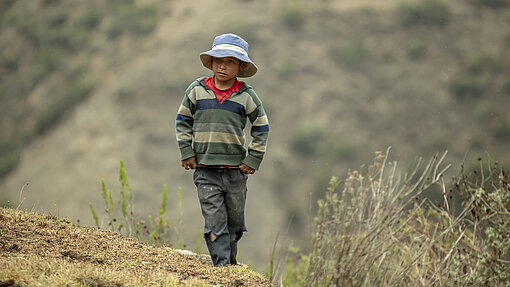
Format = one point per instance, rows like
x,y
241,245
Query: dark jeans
x,y
222,195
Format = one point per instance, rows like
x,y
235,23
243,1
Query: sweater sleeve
x,y
184,126
259,132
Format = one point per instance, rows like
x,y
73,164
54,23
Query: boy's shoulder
x,y
195,83
247,86
250,91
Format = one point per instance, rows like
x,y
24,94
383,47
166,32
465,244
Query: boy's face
x,y
226,69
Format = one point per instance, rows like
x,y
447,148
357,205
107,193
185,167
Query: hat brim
x,y
248,71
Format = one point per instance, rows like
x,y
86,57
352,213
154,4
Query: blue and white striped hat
x,y
230,45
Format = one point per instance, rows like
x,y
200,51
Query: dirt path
x,y
29,235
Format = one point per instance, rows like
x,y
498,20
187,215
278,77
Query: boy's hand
x,y
189,163
246,169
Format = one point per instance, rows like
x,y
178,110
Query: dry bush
x,y
375,232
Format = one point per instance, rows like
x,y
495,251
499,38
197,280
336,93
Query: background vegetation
x,y
377,230
86,84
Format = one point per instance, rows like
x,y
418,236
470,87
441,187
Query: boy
x,y
210,133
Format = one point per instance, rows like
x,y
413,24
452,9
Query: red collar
x,y
222,95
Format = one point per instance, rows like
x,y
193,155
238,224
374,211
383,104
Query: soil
x,y
47,236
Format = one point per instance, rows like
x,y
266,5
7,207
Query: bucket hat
x,y
230,45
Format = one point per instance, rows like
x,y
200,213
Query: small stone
x,y
7,283
205,259
90,283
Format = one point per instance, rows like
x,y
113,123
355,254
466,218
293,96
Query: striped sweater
x,y
214,132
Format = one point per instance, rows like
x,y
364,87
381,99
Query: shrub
x,y
491,3
49,58
121,215
358,231
293,15
375,231
57,16
344,151
136,20
9,62
9,157
5,5
68,38
78,87
416,50
36,75
51,3
474,81
468,86
485,193
502,131
307,138
124,94
283,69
351,54
122,218
51,34
90,19
242,28
483,63
32,29
424,12
506,86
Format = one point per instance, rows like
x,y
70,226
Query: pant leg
x,y
212,202
219,249
235,201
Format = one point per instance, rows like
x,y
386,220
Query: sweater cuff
x,y
252,162
187,152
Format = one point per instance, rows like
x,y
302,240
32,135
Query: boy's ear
x,y
242,66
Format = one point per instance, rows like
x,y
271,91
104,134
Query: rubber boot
x,y
219,249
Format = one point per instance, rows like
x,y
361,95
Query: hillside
x,y
87,84
44,250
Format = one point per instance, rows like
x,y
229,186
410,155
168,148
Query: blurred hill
x,y
86,84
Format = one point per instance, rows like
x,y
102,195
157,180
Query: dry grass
x,y
35,270
376,232
361,229
43,250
